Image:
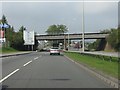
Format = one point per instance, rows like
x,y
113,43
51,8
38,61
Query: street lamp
x,y
83,28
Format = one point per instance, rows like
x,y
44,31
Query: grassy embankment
x,y
7,50
106,67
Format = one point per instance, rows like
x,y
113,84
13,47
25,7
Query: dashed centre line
x,y
9,75
16,70
27,63
36,58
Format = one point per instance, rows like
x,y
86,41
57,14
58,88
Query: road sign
x,y
4,25
2,40
1,34
28,37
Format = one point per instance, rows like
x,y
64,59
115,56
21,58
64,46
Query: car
x,y
55,50
46,49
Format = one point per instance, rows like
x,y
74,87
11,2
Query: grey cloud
x,y
38,16
60,0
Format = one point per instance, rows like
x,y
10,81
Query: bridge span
x,y
72,36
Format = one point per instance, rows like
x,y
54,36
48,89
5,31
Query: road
x,y
40,70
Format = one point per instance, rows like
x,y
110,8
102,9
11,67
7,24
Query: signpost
x,y
3,26
28,37
2,39
1,34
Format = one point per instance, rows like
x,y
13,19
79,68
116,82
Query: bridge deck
x,y
72,36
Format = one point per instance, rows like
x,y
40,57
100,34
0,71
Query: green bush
x,y
114,39
7,50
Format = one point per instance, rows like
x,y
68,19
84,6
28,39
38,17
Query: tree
x,y
94,45
13,39
113,39
56,29
62,29
10,35
4,20
52,30
18,42
22,28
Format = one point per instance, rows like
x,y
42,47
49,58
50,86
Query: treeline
x,y
113,40
57,29
13,39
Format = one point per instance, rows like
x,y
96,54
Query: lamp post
x,y
68,41
83,28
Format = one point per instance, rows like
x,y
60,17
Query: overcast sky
x,y
38,16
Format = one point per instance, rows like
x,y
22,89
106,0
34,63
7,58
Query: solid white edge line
x,y
27,63
9,75
60,1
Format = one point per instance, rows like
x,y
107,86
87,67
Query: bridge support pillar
x,y
64,42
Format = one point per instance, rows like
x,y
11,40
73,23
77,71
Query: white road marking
x,y
27,63
9,75
16,70
35,58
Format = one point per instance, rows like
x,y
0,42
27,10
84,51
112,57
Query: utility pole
x,y
83,29
64,42
68,41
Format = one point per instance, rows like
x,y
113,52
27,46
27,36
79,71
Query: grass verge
x,y
8,50
109,68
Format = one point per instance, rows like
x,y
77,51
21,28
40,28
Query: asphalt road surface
x,y
40,70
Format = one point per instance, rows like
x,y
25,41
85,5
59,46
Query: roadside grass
x,y
8,50
106,67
